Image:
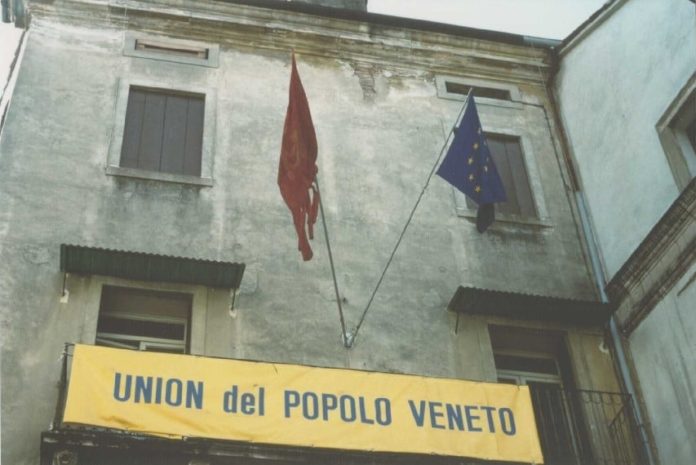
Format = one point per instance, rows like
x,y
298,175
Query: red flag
x,y
297,168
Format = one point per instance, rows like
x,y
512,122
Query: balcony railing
x,y
581,427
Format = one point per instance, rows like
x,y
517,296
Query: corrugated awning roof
x,y
529,307
149,267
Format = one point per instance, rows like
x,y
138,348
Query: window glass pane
x,y
135,327
528,364
507,380
488,92
144,320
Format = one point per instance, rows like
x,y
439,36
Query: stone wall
x,y
380,126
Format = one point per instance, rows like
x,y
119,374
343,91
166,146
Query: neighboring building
x,y
139,209
11,38
627,95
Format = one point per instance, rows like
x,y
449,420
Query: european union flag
x,y
469,167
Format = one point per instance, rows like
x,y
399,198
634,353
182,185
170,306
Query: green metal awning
x,y
520,306
149,267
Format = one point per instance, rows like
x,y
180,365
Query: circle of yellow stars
x,y
470,161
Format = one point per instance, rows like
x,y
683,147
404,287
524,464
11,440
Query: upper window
x,y
494,93
163,48
144,320
677,131
488,92
163,131
508,158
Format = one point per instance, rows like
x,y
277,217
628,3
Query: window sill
x,y
502,220
158,176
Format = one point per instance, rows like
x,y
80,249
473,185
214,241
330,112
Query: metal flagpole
x,y
346,343
410,217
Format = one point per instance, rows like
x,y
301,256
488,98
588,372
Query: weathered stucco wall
x,y
380,126
664,354
613,87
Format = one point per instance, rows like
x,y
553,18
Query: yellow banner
x,y
183,395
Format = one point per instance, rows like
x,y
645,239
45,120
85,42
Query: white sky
x,y
553,19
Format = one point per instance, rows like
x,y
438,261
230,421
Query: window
x,y
487,92
144,320
463,89
562,436
163,131
163,48
538,359
508,158
677,131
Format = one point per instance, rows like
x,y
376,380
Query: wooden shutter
x,y
523,193
163,132
498,148
509,161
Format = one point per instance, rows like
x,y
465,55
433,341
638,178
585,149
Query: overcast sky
x,y
553,19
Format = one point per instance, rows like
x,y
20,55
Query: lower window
x,y
144,320
538,360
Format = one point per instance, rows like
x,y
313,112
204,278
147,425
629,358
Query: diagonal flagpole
x,y
344,335
354,334
298,154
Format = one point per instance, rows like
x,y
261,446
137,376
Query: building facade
x,y
139,209
633,138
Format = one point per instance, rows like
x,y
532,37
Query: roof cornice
x,y
586,28
666,253
313,30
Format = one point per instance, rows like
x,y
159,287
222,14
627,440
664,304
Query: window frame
x,y
211,60
442,92
133,115
671,130
523,376
113,167
112,339
183,346
501,139
533,178
87,293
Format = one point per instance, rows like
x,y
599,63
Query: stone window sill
x,y
507,219
158,176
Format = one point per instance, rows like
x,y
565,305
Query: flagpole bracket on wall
x,y
348,339
64,294
233,311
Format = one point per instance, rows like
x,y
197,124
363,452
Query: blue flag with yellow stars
x,y
469,167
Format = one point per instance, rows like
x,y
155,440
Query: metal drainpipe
x,y
593,250
600,279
